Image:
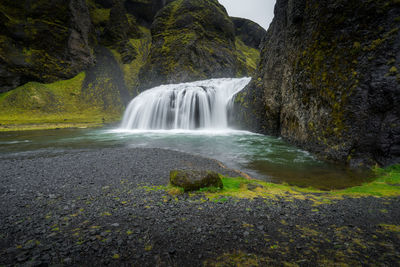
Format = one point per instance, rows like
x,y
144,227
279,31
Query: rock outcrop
x,y
329,80
192,40
43,41
249,32
145,10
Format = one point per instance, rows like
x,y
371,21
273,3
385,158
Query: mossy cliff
x,y
105,44
193,40
329,80
249,32
43,41
99,42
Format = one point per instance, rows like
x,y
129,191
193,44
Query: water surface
x,y
263,157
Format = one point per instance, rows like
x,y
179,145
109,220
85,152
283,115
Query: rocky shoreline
x,y
111,207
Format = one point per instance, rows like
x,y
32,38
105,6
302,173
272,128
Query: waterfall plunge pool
x,y
193,118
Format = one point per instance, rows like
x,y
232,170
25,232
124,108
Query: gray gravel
x,y
103,207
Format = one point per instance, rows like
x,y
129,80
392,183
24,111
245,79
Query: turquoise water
x,y
262,157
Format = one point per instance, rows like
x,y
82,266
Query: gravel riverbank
x,y
104,207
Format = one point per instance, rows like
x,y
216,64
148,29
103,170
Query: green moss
x,y
177,51
357,45
386,185
375,44
100,15
131,70
55,105
391,227
393,71
247,55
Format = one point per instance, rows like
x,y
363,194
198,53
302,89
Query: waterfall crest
x,y
188,106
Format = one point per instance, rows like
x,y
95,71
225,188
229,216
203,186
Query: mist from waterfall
x,y
187,106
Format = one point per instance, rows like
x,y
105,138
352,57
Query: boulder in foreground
x,y
191,180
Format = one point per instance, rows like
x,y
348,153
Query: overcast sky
x,y
260,11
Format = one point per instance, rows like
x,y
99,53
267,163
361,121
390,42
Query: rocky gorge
x,y
325,82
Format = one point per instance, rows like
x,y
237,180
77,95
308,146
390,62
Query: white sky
x,y
260,11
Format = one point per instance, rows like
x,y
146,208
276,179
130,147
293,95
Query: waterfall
x,y
195,105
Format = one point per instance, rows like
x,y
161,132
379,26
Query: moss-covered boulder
x,y
191,180
192,40
328,80
43,41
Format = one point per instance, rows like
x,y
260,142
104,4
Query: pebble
x,y
72,231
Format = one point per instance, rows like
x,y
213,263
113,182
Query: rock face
x,y
118,32
43,41
145,10
104,83
191,180
192,40
107,43
329,80
249,32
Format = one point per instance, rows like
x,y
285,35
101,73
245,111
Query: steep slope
x,y
248,40
329,80
249,32
43,41
192,40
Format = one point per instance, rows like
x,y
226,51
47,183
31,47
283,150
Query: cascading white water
x,y
188,106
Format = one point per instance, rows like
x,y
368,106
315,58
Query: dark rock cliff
x,y
43,41
329,80
145,10
249,32
192,40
